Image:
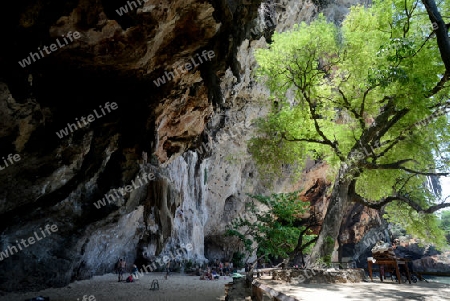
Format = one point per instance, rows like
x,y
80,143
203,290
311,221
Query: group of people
x,y
214,271
209,275
224,269
121,269
122,266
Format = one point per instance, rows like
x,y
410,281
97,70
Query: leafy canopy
x,y
364,95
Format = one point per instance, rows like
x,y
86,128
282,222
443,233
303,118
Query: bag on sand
x,y
130,279
39,298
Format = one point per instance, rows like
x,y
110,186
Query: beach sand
x,y
190,288
376,290
107,288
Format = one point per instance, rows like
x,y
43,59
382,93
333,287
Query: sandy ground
x,y
376,290
190,288
107,288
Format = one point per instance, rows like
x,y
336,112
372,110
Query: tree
x,y
305,238
275,227
370,98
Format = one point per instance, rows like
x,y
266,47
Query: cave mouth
x,y
70,94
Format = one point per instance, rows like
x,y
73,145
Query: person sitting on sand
x,y
214,275
134,272
226,268
130,278
208,274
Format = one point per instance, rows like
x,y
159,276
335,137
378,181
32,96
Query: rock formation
x,y
180,74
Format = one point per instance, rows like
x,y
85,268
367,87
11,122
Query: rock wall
x,y
436,263
193,128
360,230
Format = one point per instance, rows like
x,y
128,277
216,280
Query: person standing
x,y
144,157
221,268
121,268
116,266
167,269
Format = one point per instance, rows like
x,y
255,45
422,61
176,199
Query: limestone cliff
x,y
180,75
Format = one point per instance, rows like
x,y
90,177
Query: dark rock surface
x,y
57,180
436,263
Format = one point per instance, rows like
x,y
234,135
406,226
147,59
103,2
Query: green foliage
x,y
238,260
306,239
329,241
397,231
188,265
323,262
445,221
271,230
330,84
444,224
424,226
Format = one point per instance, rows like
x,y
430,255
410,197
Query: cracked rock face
x,y
190,132
69,61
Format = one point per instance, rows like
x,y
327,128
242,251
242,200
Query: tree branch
x,y
441,31
378,205
393,165
314,116
363,102
306,245
409,130
398,165
440,85
283,135
383,122
348,106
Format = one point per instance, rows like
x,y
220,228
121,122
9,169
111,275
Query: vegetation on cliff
x,y
276,228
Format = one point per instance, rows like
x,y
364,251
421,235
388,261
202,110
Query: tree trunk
x,y
249,275
441,31
337,207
